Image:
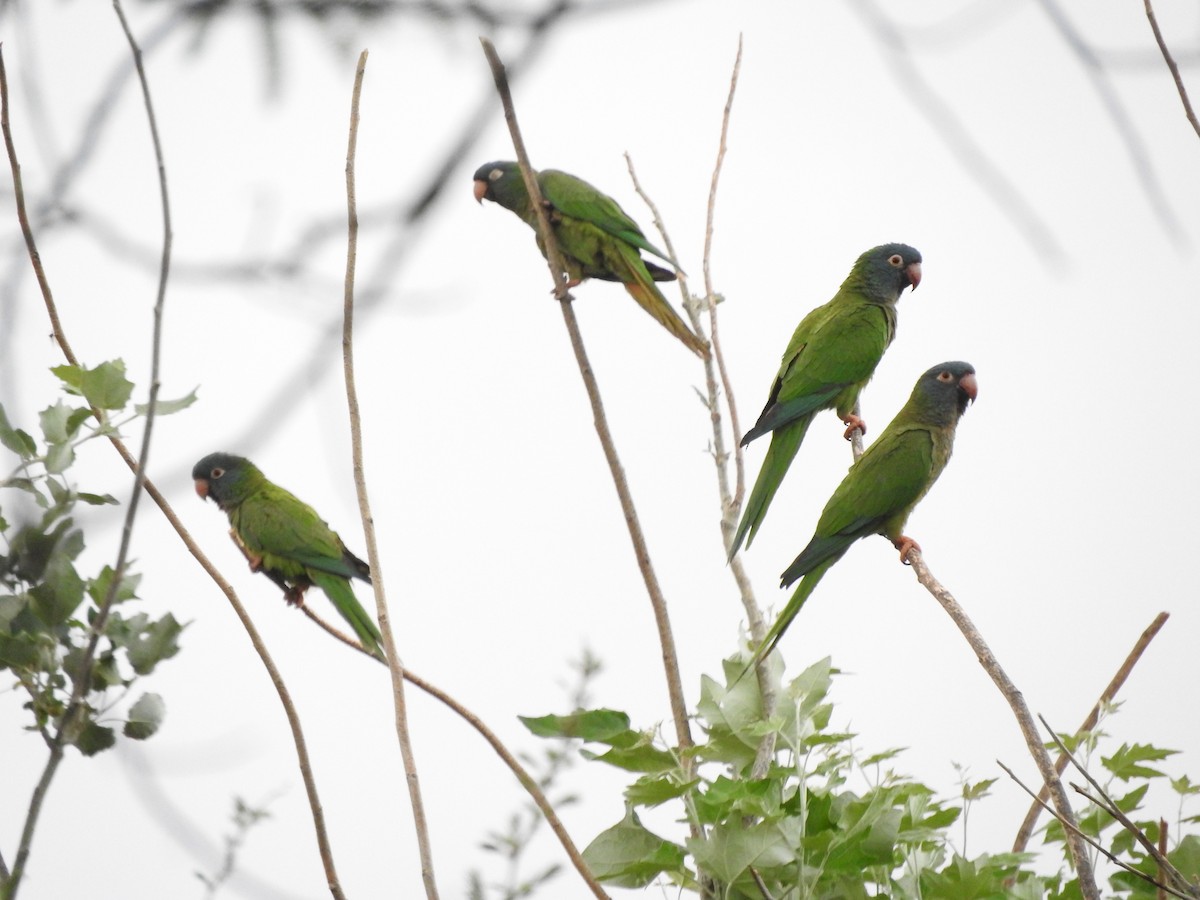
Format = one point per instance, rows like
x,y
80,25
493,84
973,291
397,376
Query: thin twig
x,y
1162,45
161,501
81,682
970,154
1110,99
364,504
1106,803
526,780
670,658
1083,865
1092,841
1031,817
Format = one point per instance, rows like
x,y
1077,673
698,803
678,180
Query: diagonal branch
x,y
161,501
364,504
1105,803
1162,45
1077,847
1041,804
670,658
526,780
1031,817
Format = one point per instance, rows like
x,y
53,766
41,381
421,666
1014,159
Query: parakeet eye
x,y
945,376
896,260
217,473
495,174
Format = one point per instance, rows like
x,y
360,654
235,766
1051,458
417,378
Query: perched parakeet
x,y
597,238
830,358
285,539
881,489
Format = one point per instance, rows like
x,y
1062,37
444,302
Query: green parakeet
x,y
285,539
881,489
830,358
597,238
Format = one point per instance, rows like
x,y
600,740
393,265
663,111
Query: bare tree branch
x,y
970,155
364,505
1139,158
527,781
1072,828
161,501
1162,45
1079,854
670,658
1031,817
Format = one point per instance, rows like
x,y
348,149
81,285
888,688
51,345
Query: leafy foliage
x,y
47,607
825,820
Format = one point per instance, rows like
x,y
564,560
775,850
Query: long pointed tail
x,y
785,442
650,298
341,595
789,613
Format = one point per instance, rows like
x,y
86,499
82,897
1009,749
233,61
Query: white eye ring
x,y
495,174
945,376
217,473
896,260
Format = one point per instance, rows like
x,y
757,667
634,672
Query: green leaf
x,y
144,717
638,755
105,386
127,590
166,407
154,644
1127,761
93,739
652,790
731,849
59,458
60,592
628,855
1181,785
97,499
587,725
977,790
24,652
15,439
53,420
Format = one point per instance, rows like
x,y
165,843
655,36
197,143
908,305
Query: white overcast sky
x,y
1064,523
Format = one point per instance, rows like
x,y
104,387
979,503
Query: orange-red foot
x,y
294,596
905,545
852,422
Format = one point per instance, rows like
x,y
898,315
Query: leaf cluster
x,y
48,609
826,820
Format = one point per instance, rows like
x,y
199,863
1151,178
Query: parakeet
x,y
597,238
830,358
881,489
285,539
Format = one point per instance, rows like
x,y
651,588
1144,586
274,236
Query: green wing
x,y
290,536
576,198
832,354
876,495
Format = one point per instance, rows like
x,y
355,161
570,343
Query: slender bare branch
x,y
527,781
1027,826
1070,827
364,504
554,259
1139,156
1162,45
161,501
1106,803
958,140
1078,850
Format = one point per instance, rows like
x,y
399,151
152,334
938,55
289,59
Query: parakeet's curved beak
x,y
913,270
202,488
969,386
481,187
